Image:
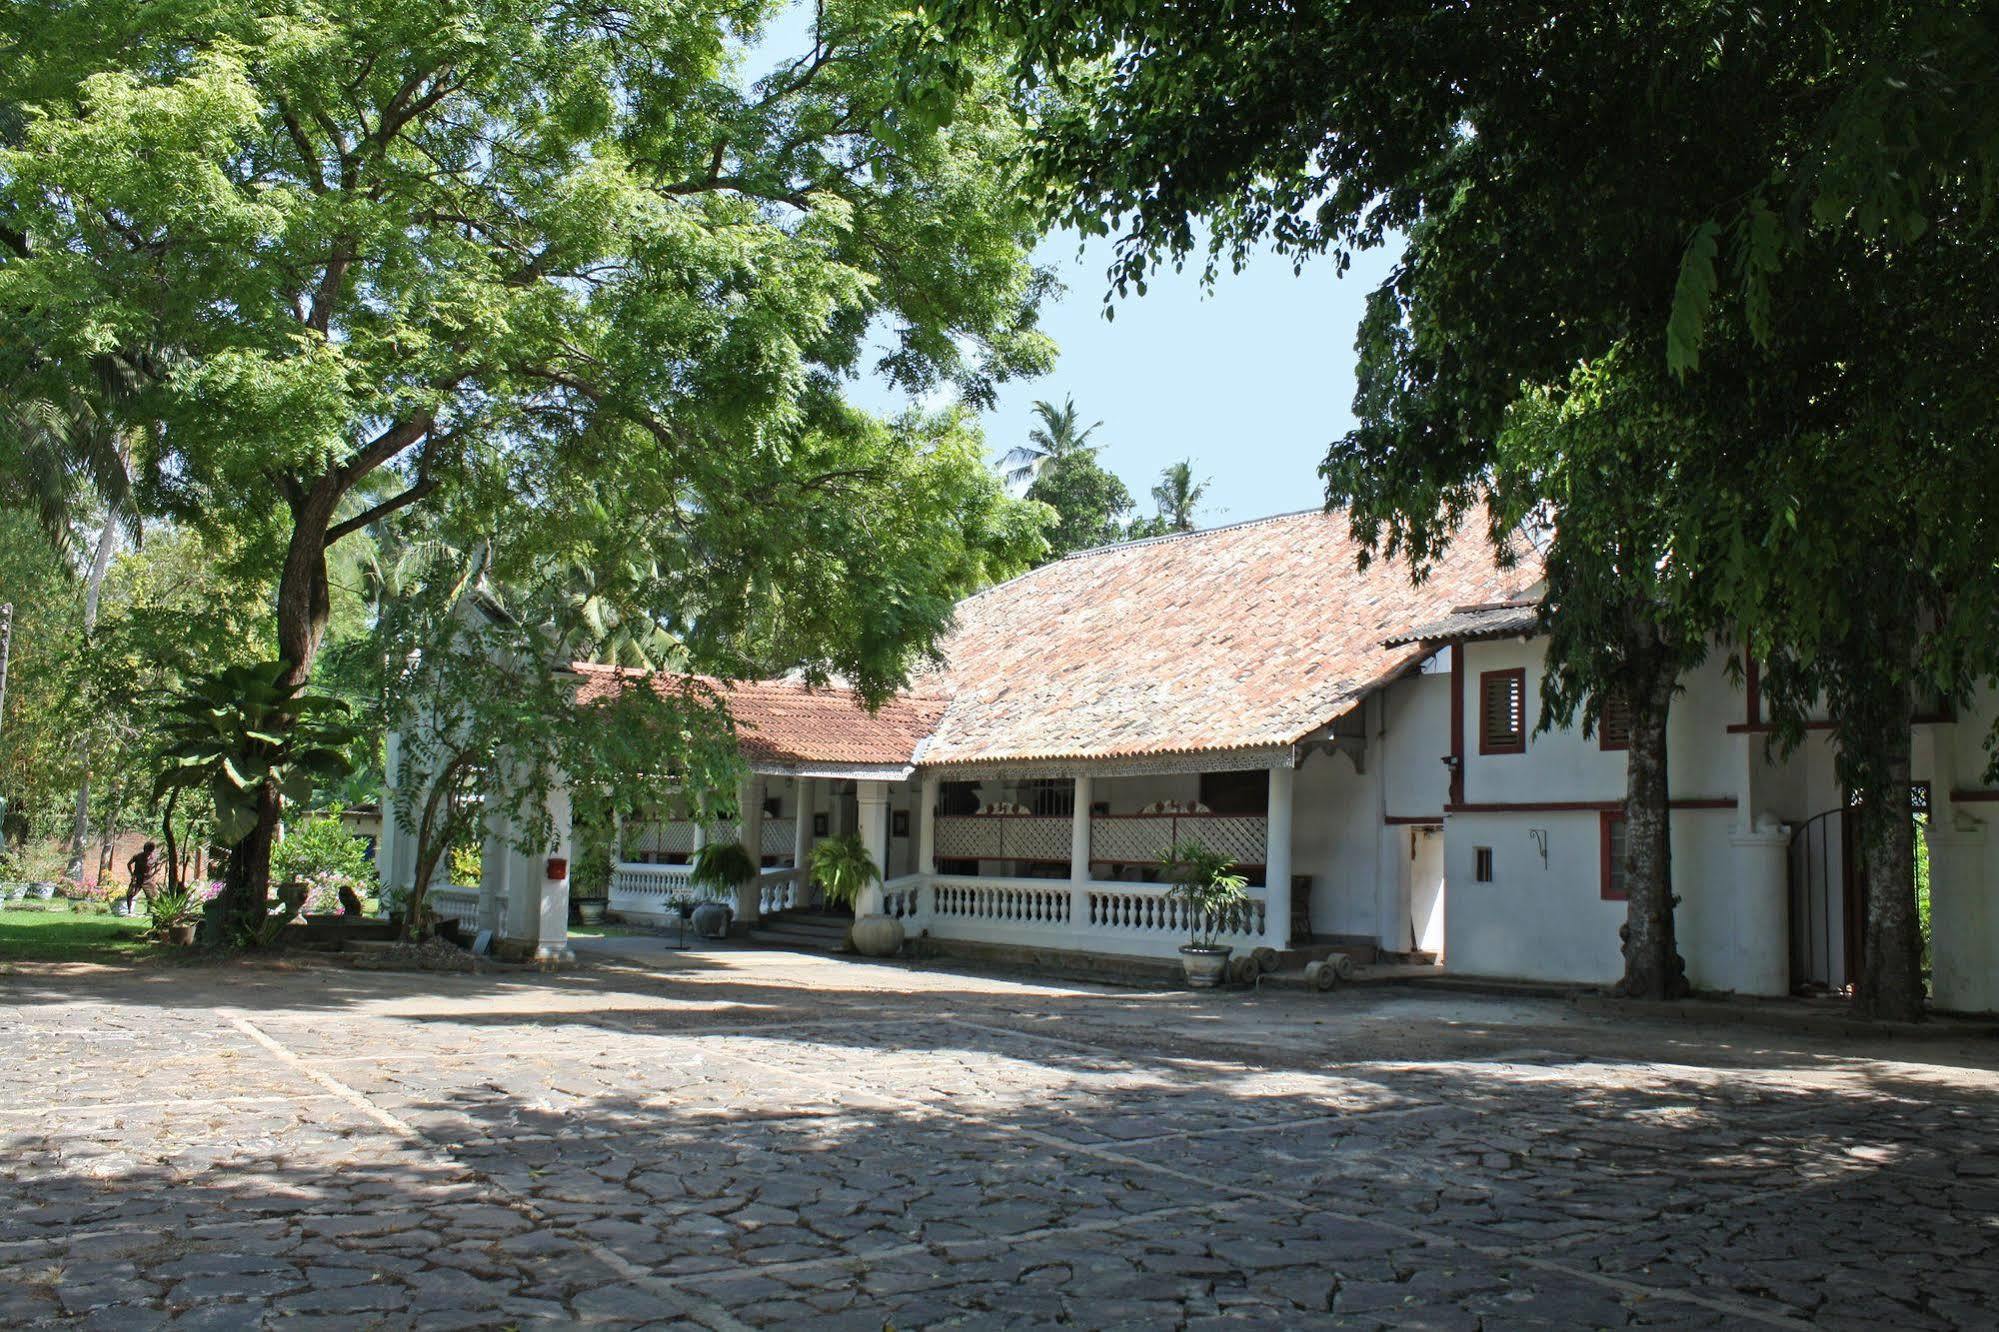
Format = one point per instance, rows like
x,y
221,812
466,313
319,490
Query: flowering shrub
x,y
322,896
323,855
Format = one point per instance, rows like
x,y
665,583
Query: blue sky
x,y
1250,380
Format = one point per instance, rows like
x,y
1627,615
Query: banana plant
x,y
242,728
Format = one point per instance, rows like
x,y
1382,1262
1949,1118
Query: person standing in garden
x,y
141,867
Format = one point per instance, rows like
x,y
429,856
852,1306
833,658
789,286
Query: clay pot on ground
x,y
877,936
590,910
711,920
1205,964
181,936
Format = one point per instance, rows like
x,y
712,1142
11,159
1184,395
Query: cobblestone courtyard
x,y
739,1139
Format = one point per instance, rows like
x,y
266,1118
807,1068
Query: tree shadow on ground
x,y
1038,1154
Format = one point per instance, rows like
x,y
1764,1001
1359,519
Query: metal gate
x,y
1825,938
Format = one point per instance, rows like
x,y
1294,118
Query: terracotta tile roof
x,y
1501,620
785,724
1245,636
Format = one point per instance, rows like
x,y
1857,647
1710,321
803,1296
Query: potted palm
x,y
175,911
723,868
844,871
1210,892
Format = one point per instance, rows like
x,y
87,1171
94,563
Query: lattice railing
x,y
1143,838
1003,837
778,838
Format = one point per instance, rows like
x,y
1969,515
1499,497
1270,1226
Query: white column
x,y
926,825
495,860
872,797
1079,856
552,920
805,793
1277,860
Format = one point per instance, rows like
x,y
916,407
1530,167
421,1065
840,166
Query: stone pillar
x,y
926,825
495,862
872,797
1760,911
750,827
389,847
1277,859
1079,856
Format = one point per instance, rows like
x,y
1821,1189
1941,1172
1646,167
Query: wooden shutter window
x,y
1502,712
1611,823
1613,725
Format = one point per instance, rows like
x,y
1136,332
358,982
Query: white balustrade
x,y
455,902
779,891
903,897
1123,918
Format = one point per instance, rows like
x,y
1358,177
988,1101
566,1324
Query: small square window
x,y
1503,711
1481,864
1612,828
1613,723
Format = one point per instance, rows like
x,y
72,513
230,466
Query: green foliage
x,y
170,907
1090,504
843,869
724,866
243,729
1206,884
60,936
319,847
1178,496
609,355
466,863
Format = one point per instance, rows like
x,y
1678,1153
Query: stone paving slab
x,y
738,1139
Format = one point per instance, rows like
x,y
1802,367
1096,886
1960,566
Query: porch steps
x,y
808,931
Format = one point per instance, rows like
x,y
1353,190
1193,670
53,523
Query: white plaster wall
x,y
1410,742
1335,838
1533,921
1562,765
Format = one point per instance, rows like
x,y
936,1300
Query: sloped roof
x,y
1501,620
1246,636
785,724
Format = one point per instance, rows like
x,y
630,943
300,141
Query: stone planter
x,y
877,936
590,910
45,891
1205,964
181,936
711,920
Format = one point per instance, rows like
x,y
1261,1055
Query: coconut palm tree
x,y
1057,437
1177,496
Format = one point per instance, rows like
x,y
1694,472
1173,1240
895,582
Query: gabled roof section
x,y
1245,636
787,726
1468,623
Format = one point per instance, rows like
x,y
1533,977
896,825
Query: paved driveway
x,y
742,1139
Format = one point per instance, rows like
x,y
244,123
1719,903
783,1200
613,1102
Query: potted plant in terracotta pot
x,y
844,871
1210,892
724,868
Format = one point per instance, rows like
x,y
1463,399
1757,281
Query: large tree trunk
x,y
100,565
1891,963
303,608
1653,968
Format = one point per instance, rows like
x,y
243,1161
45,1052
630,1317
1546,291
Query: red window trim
x,y
1606,820
1485,742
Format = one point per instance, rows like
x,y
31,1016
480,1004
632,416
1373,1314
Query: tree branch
x,y
424,485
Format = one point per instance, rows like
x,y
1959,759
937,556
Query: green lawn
x,y
64,936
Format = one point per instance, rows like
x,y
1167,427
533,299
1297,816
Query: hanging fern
x,y
722,866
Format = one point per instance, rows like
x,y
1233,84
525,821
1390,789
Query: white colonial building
x,y
1363,746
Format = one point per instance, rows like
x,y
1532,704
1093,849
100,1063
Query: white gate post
x,y
1277,859
926,826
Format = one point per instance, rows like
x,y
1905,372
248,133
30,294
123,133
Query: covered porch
x,y
1068,861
